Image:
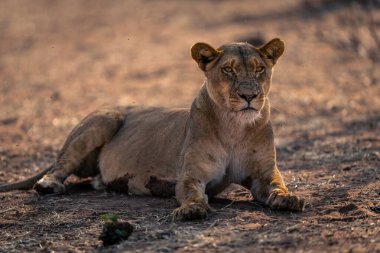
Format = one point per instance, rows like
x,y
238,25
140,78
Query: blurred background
x,y
60,60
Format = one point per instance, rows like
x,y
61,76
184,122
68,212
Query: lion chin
x,y
243,116
248,116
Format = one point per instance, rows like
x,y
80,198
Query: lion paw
x,y
192,211
285,201
49,184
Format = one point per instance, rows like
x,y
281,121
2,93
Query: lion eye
x,y
227,70
260,69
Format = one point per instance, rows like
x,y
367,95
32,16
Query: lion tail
x,y
25,184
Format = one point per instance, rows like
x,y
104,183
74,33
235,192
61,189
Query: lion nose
x,y
248,97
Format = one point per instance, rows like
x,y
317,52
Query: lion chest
x,y
238,163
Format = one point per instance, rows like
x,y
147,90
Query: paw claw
x,y
192,211
285,201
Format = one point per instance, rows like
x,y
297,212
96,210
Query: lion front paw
x,y
279,200
49,184
191,211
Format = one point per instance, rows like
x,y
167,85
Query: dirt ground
x,y
60,60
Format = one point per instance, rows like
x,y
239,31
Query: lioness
x,y
226,137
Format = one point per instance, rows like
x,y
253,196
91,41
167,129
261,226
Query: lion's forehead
x,y
240,54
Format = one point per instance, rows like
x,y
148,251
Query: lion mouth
x,y
248,108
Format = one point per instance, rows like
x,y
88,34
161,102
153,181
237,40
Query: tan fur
x,y
200,151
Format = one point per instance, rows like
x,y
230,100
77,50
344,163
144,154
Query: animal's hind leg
x,y
91,134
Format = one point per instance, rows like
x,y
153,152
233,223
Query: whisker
x,y
275,108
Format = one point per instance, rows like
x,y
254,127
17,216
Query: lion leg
x,y
190,193
199,169
83,142
271,190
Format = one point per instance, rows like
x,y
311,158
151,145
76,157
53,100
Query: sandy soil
x,y
60,60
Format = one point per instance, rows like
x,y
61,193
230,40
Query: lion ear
x,y
203,54
273,50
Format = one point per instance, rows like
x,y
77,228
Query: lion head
x,y
238,75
